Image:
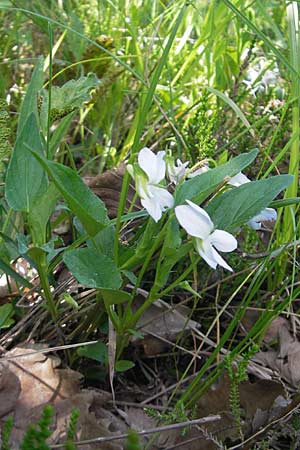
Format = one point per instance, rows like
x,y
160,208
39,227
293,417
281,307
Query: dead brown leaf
x,y
260,402
30,382
108,187
285,361
161,324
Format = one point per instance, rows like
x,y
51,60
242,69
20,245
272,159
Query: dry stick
x,y
137,405
46,350
174,426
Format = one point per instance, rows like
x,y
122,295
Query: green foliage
x,y
237,206
67,98
114,296
89,209
40,213
97,352
6,432
132,441
200,187
69,445
201,130
122,365
176,415
36,436
5,132
237,372
92,268
30,102
154,67
6,313
26,179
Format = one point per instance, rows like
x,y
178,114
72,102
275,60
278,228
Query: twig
x,y
137,405
46,350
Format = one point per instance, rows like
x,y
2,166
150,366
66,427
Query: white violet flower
x,y
154,197
176,172
268,214
198,224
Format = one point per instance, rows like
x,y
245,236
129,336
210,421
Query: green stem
x,y
42,269
153,294
50,86
131,322
286,234
123,198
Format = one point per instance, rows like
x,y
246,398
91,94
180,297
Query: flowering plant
x,y
149,174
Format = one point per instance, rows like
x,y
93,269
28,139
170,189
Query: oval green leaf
x,y
92,268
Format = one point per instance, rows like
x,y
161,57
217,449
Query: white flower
x,y
198,224
268,214
259,79
238,180
176,172
154,198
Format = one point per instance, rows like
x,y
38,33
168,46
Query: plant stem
x,y
50,88
286,233
42,269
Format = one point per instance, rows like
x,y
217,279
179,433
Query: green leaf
x,y
201,186
89,209
169,262
232,105
70,300
104,241
115,296
26,179
30,102
40,213
123,364
97,352
59,132
67,98
6,312
92,268
238,205
130,275
53,248
285,202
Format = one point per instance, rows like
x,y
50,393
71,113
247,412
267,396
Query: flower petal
x,y
152,208
206,253
268,214
130,169
194,220
223,241
221,261
238,180
176,172
157,201
153,165
162,196
202,213
211,256
254,225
